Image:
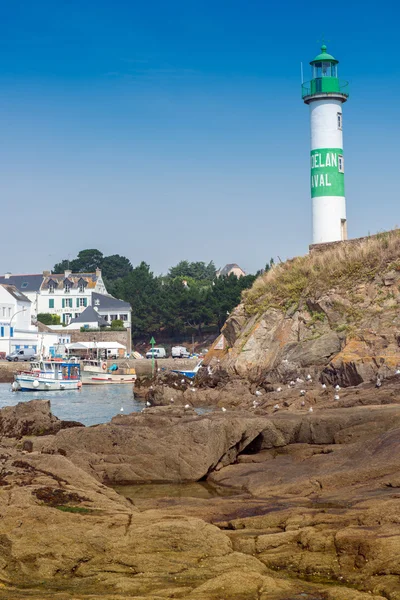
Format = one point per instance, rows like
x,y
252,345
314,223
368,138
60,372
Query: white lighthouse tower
x,y
325,95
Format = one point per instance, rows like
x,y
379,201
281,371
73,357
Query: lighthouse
x,y
325,94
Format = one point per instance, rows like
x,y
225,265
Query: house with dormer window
x,y
68,294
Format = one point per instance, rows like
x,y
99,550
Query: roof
x,y
107,302
76,279
228,268
324,56
23,283
89,315
11,289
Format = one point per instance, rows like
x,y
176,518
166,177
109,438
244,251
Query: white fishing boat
x,y
97,371
46,375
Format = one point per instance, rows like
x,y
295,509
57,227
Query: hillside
x,y
333,313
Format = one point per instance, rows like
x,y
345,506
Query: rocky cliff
x,y
333,314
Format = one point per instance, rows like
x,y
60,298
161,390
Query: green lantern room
x,y
324,71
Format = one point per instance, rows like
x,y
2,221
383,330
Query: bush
x,y
48,319
117,324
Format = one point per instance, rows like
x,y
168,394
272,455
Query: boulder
x,y
31,418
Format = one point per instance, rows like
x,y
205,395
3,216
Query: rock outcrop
x,y
334,315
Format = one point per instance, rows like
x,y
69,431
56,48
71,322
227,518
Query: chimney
x,y
7,275
67,273
98,273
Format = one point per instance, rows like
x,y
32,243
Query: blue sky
x,y
175,130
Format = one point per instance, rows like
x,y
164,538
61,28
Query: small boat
x,y
190,374
46,375
97,371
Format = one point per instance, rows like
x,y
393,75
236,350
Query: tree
x,y
87,261
116,266
197,270
61,266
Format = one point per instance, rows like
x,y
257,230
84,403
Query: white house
x,y
69,294
231,269
16,330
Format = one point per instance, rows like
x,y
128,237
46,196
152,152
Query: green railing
x,y
325,85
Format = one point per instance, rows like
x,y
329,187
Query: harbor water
x,y
92,405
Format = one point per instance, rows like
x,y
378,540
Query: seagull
x,y
255,403
171,400
148,403
187,405
258,393
182,381
175,383
336,397
309,380
193,389
310,409
276,407
191,383
299,380
292,383
397,371
302,392
279,389
378,382
308,377
121,409
223,409
337,387
323,386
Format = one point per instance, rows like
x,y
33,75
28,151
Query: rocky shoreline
x,y
313,511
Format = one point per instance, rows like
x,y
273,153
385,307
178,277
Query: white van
x,y
180,352
22,355
156,353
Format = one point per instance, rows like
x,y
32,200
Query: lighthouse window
x,y
339,120
340,163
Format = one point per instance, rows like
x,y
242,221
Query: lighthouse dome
x,y
324,57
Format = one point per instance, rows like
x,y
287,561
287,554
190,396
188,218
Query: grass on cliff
x,y
342,267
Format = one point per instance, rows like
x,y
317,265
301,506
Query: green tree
x,y
117,324
196,270
143,291
87,261
115,266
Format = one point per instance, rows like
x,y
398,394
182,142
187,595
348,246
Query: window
x,y
9,312
76,315
340,163
105,317
51,303
81,302
113,317
123,317
81,288
67,302
24,285
4,311
339,120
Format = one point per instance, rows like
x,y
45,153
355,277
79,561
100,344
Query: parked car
x,y
22,355
180,352
156,353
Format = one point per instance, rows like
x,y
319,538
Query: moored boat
x,y
46,375
190,374
96,371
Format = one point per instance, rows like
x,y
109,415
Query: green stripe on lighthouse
x,y
327,172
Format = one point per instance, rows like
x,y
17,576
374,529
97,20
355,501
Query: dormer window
x,y
52,286
67,286
82,285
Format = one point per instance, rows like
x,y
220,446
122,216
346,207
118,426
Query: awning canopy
x,y
95,346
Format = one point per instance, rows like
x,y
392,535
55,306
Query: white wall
x,y
13,316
